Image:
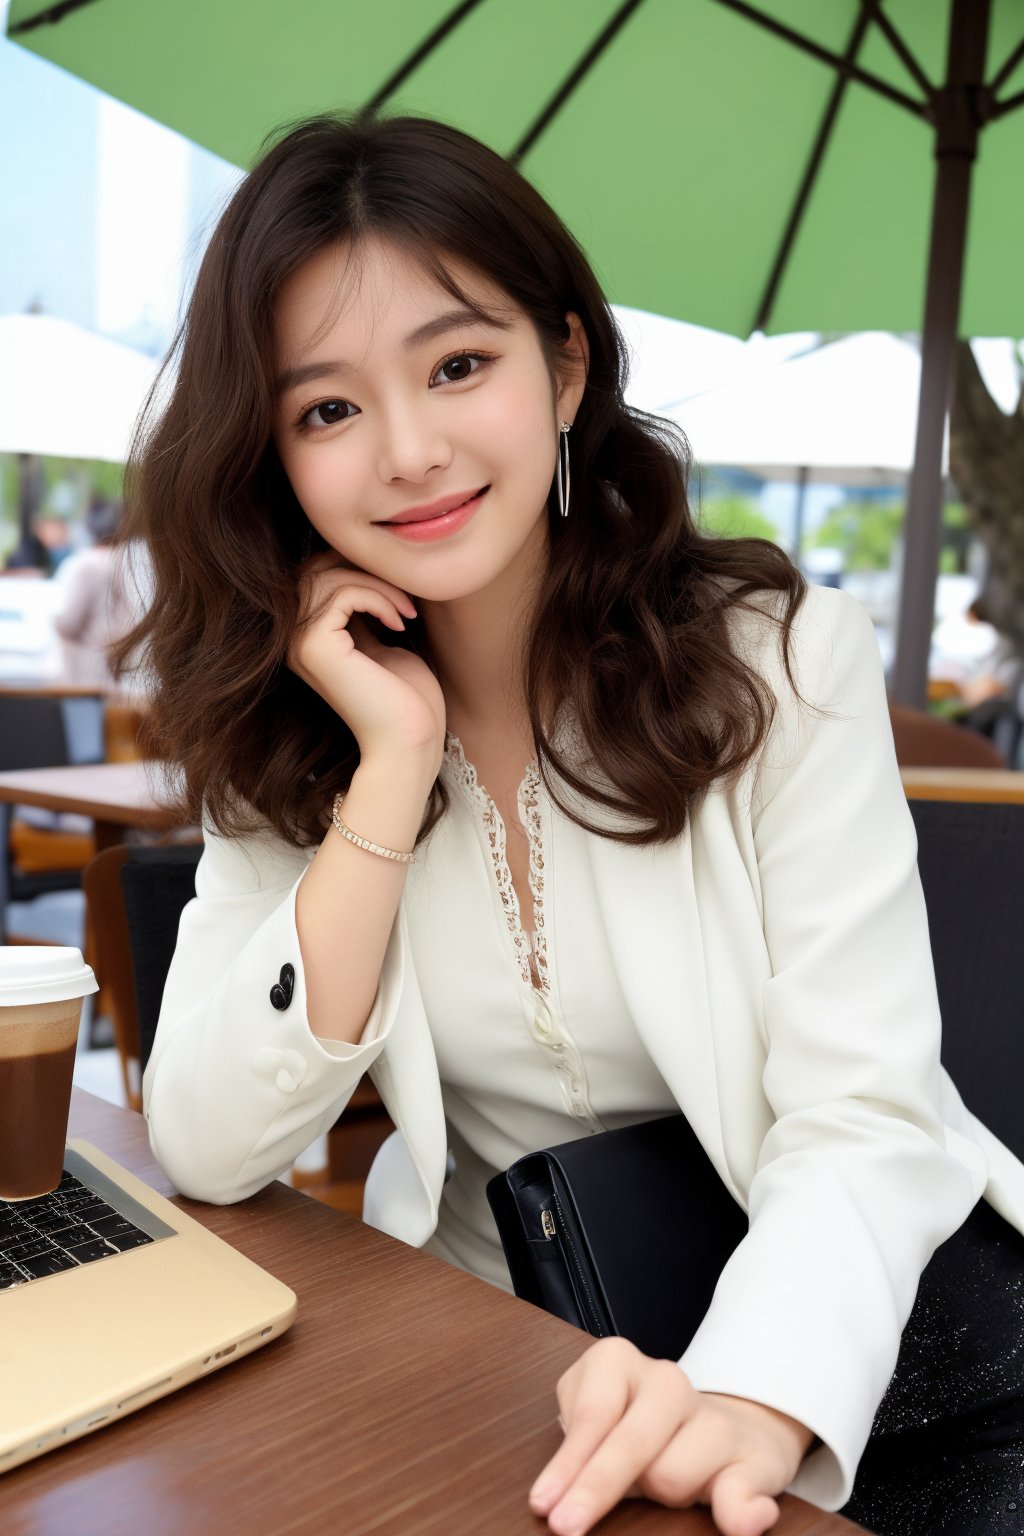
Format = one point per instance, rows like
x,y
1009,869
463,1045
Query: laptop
x,y
110,1297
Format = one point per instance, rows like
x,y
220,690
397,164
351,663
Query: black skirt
x,y
946,1453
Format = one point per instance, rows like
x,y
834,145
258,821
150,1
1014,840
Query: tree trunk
x,y
986,460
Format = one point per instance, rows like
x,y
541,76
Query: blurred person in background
x,y
95,609
996,672
29,557
986,670
993,694
969,652
54,534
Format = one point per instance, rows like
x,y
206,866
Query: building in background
x,y
106,212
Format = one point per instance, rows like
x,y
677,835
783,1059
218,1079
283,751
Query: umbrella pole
x,y
29,497
798,514
957,126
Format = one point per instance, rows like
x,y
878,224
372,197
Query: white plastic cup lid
x,y
42,973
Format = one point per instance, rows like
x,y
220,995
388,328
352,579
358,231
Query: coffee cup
x,y
41,991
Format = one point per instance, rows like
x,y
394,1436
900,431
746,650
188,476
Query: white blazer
x,y
776,961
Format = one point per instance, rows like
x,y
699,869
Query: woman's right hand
x,y
387,696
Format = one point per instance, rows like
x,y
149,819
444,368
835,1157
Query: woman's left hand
x,y
634,1424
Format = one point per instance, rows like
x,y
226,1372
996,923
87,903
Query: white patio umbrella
x,y
66,391
846,413
672,360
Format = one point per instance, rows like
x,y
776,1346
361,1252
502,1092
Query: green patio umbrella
x,y
790,165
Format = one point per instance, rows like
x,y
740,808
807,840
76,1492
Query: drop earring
x,y
563,468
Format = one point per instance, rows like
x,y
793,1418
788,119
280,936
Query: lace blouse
x,y
534,1041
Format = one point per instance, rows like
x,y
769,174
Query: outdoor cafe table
x,y
116,795
49,688
407,1399
998,785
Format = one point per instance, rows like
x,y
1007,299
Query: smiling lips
x,y
433,509
437,519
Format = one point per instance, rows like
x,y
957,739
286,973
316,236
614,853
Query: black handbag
x,y
625,1232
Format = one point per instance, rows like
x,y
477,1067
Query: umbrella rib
x,y
1010,104
826,56
1002,75
47,18
900,48
866,13
572,80
428,46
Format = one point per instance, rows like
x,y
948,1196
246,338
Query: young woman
x,y
554,814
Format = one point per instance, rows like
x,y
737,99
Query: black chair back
x,y
41,732
971,858
157,882
32,734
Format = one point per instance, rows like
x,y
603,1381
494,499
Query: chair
x,y
112,896
46,733
124,730
41,732
135,896
971,857
924,742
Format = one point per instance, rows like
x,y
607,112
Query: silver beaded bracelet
x,y
362,842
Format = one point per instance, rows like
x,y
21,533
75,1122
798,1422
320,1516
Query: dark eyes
x,y
327,413
460,364
453,370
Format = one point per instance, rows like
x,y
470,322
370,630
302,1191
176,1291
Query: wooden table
x,y
1001,786
115,795
407,1399
49,688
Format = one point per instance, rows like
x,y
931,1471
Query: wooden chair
x,y
135,896
124,725
924,742
112,961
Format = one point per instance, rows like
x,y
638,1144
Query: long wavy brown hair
x,y
631,626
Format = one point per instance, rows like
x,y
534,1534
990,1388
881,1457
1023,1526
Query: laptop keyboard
x,y
74,1225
